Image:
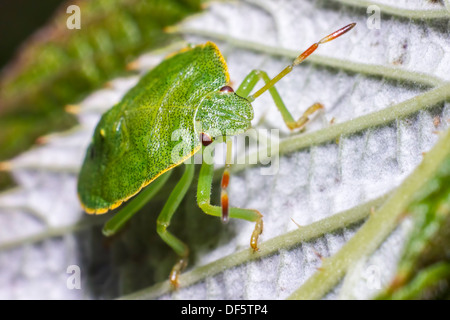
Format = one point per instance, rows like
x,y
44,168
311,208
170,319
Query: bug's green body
x,y
163,121
134,141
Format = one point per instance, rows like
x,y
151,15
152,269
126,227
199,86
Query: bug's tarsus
x,y
176,271
305,116
256,232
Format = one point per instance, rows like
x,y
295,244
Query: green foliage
x,y
59,66
424,270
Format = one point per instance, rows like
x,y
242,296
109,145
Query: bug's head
x,y
223,113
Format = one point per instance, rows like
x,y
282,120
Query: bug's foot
x,y
304,119
256,232
176,271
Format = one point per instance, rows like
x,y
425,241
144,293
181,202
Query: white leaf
x,y
384,89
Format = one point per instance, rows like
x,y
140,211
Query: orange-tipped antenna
x,y
337,33
299,60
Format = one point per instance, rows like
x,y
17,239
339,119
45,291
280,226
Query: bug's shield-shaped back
x,y
151,130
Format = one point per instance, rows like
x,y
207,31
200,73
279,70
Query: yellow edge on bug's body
x,y
222,59
146,183
216,49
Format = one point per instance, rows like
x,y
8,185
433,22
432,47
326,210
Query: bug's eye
x,y
226,89
205,139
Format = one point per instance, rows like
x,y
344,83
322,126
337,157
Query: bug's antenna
x,y
299,60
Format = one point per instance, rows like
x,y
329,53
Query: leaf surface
x,y
386,95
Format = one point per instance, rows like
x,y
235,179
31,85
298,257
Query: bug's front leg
x,y
250,82
204,201
163,222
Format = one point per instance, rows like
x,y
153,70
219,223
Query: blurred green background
x,y
20,19
47,66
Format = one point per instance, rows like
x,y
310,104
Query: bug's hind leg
x,y
204,201
163,222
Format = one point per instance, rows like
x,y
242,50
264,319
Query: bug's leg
x,y
252,79
163,222
204,201
250,82
118,221
224,183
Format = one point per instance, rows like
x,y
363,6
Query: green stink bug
x,y
133,142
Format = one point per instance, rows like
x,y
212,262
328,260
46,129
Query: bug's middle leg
x,y
204,201
250,82
163,222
